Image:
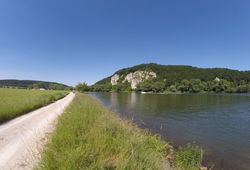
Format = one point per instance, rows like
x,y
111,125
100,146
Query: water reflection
x,y
219,123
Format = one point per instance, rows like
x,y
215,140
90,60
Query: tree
x,y
145,86
82,87
158,87
243,89
184,86
227,86
121,87
172,88
54,86
196,86
101,87
39,85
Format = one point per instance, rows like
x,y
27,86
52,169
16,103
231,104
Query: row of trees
x,y
195,86
32,84
184,86
83,87
48,86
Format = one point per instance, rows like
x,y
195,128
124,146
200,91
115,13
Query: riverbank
x,y
89,136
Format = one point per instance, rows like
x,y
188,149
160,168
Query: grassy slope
x,y
15,102
89,136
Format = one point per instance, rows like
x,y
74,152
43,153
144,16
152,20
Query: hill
x,y
33,84
175,78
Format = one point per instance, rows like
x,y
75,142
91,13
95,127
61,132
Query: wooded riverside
x,y
170,78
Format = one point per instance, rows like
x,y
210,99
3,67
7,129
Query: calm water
x,y
218,123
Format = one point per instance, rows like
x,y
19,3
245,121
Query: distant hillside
x,y
174,75
33,84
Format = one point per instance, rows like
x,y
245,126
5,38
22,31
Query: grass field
x,y
89,136
15,102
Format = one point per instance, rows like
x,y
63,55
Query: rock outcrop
x,y
114,79
134,78
217,79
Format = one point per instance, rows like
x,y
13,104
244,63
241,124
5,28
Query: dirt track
x,y
22,139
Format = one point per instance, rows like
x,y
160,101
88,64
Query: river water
x,y
220,124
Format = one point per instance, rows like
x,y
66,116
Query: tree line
x,y
184,86
31,84
195,86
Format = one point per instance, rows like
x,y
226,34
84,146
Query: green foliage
x,y
31,84
53,86
151,85
82,87
227,86
177,73
158,86
173,88
101,87
186,79
145,86
184,86
196,86
121,87
15,102
243,88
89,136
188,157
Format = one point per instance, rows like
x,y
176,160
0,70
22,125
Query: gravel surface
x,y
22,139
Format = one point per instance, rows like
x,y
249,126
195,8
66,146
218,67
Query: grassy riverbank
x,y
89,136
15,102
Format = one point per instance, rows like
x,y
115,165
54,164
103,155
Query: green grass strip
x,y
89,136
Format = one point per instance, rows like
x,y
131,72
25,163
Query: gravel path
x,y
22,139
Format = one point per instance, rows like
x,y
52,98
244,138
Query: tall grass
x,y
89,136
188,157
15,102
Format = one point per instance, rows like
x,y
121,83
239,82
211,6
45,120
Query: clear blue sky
x,y
87,40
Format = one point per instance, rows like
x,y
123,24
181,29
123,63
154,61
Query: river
x,y
220,124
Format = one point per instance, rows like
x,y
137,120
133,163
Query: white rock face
x,y
114,79
138,77
133,78
217,79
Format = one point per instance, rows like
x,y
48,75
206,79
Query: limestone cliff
x,y
134,78
114,79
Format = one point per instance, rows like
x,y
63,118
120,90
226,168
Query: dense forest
x,y
179,78
32,84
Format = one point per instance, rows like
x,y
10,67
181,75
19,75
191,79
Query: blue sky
x,y
70,41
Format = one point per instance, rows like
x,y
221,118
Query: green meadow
x,y
89,136
15,102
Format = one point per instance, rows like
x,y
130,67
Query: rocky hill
x,y
168,76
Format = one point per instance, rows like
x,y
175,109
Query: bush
x,y
82,87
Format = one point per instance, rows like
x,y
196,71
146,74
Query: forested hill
x,y
177,76
32,84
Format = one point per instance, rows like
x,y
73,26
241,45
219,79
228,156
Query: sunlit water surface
x,y
220,124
